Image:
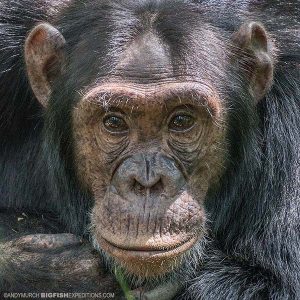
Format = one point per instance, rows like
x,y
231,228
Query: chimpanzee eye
x,y
115,124
181,122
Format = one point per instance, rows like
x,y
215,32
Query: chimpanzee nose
x,y
148,174
148,179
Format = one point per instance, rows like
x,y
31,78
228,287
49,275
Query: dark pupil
x,y
182,122
115,123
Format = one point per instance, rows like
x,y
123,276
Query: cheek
x,y
95,155
89,161
203,153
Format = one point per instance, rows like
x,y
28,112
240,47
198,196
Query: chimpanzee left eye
x,y
115,124
181,122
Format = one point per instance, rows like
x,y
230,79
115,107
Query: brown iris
x,y
181,122
115,124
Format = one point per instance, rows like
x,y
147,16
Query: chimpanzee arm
x,y
48,262
227,278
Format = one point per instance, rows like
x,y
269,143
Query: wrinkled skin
x,y
153,197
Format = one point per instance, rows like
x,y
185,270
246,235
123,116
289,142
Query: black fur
x,y
254,214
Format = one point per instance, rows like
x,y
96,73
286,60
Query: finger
x,y
40,242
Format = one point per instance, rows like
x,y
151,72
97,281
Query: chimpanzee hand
x,y
52,263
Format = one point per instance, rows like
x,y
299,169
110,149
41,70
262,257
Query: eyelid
x,y
113,111
181,111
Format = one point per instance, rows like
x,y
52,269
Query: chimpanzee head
x,y
147,90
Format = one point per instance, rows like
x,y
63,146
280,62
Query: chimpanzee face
x,y
150,138
148,156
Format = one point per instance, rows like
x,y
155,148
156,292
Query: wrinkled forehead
x,y
140,97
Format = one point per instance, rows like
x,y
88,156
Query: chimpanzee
x,y
166,131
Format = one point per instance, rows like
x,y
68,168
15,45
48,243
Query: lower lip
x,y
129,254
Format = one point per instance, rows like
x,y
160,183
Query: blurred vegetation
x,y
123,283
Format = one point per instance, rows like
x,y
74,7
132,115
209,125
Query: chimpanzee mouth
x,y
144,252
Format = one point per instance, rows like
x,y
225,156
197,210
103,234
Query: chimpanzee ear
x,y
45,59
257,53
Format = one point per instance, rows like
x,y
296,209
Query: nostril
x,y
138,188
157,188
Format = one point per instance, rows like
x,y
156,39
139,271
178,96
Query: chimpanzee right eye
x,y
115,124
